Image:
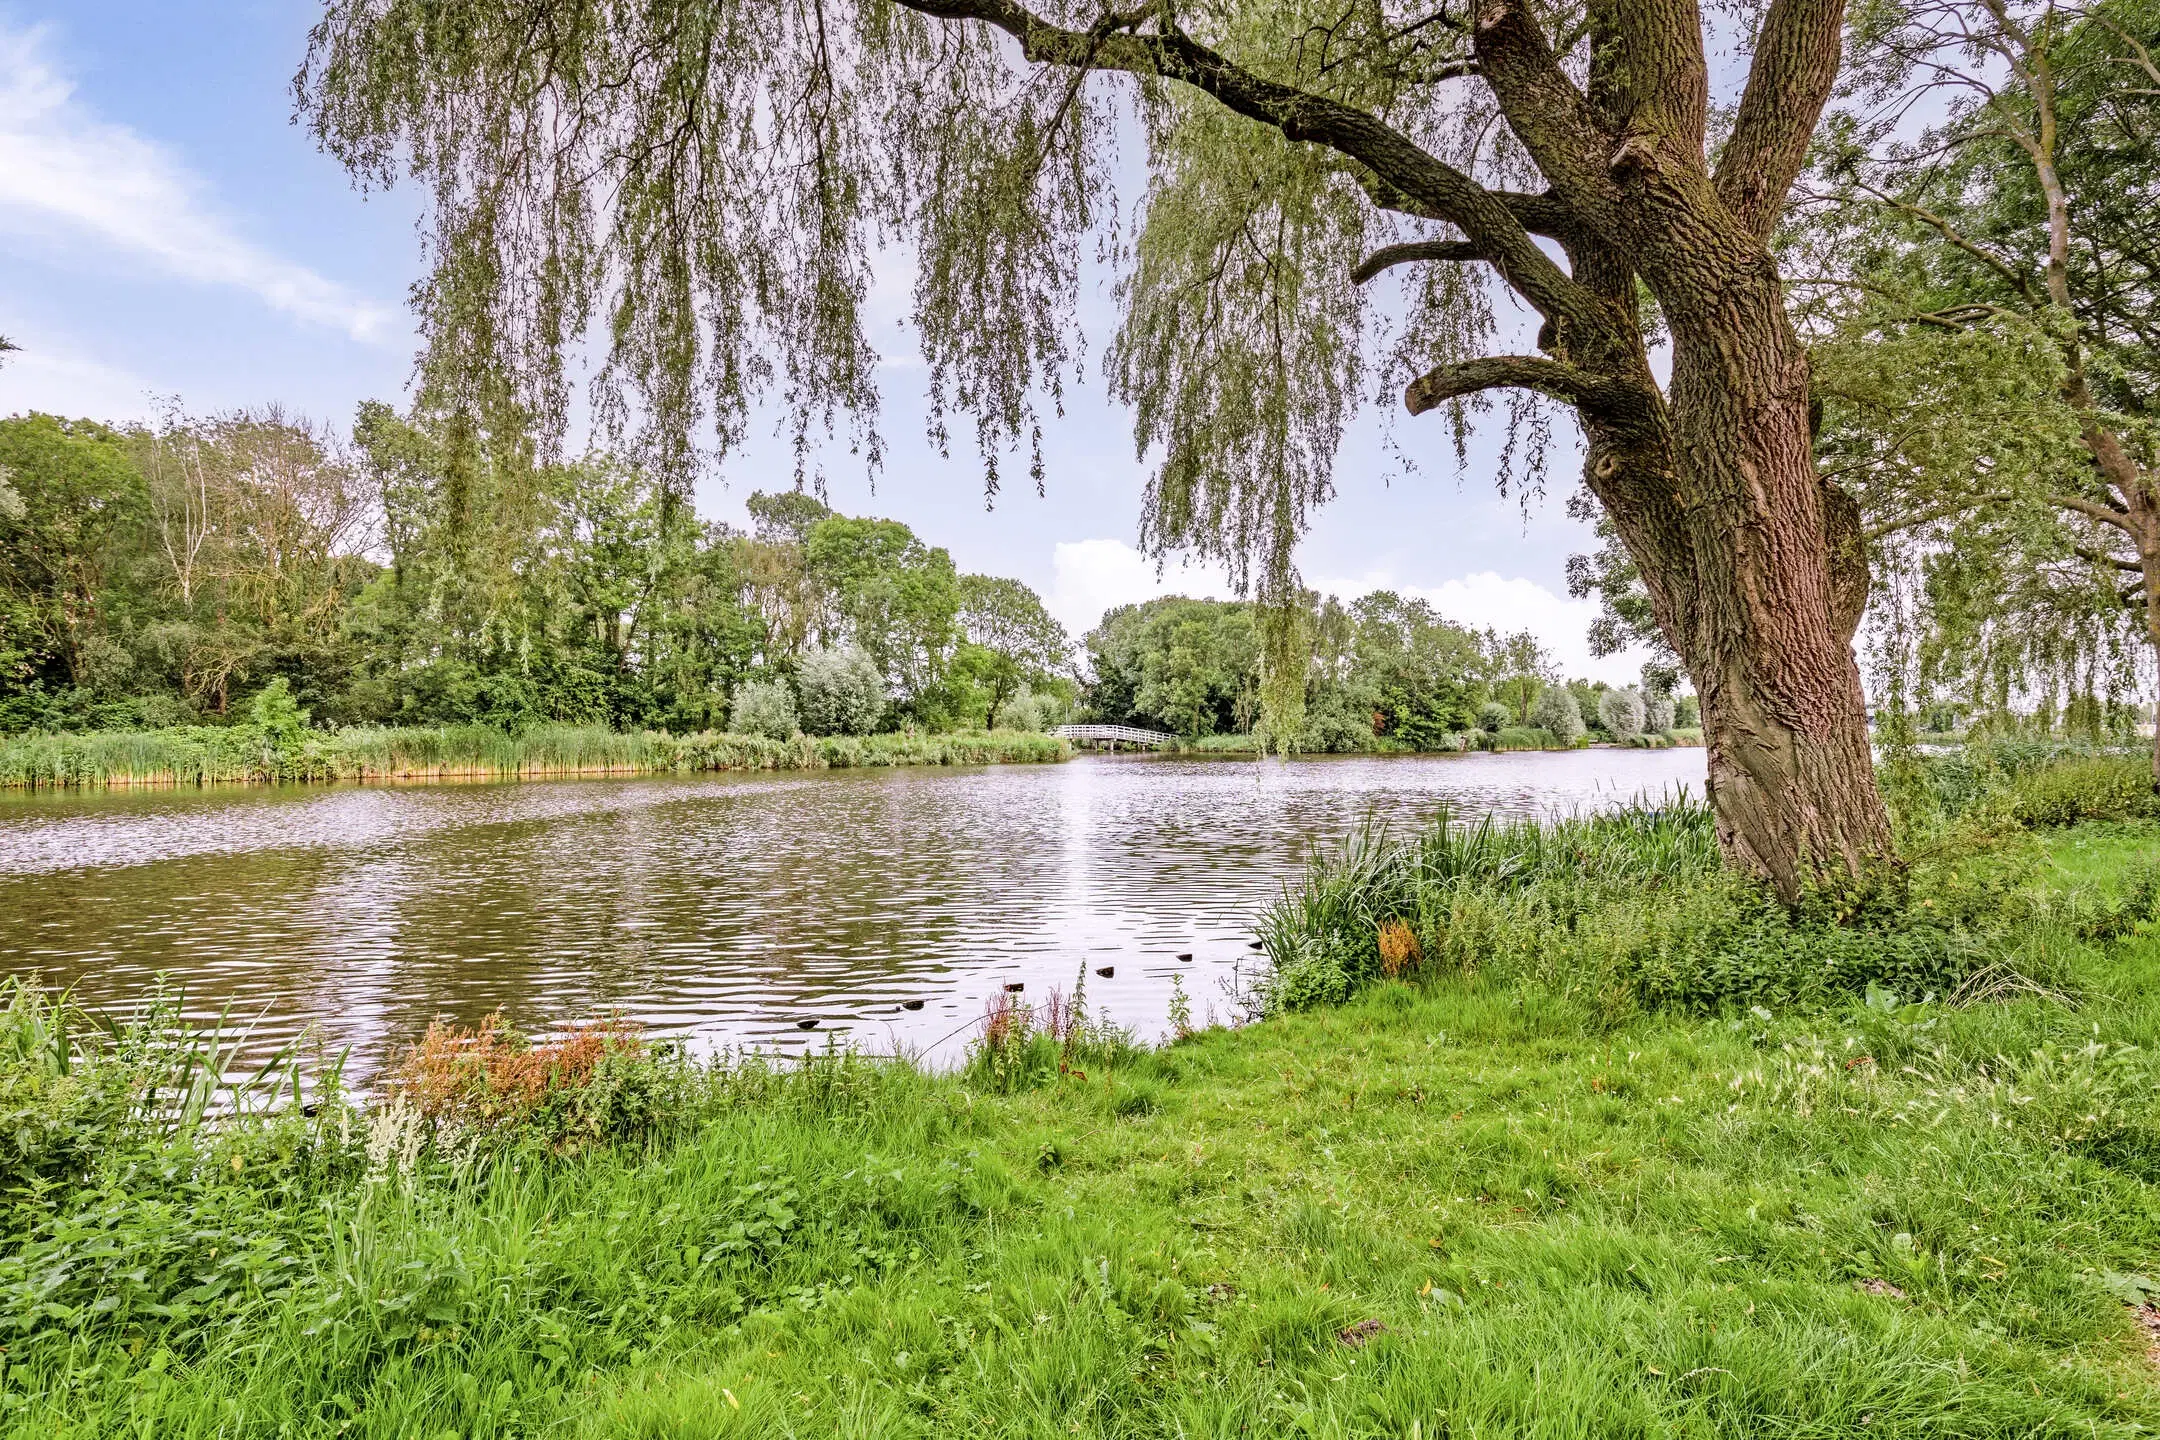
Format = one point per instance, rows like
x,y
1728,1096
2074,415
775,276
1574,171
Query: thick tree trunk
x,y
1779,587
1758,578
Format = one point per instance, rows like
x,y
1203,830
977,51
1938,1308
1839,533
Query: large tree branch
x,y
2101,557
1393,158
1540,213
1416,251
2092,510
1796,64
1542,105
1556,378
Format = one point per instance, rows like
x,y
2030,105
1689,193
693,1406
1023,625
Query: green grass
x,y
1568,1218
241,754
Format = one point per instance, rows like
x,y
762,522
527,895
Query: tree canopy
x,y
416,574
706,184
1982,287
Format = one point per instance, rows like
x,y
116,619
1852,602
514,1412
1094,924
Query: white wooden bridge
x,y
1112,737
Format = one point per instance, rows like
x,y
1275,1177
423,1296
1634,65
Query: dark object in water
x,y
911,1004
1106,971
1256,944
1014,987
1186,957
806,1024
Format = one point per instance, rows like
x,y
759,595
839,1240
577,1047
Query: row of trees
x,y
420,573
1383,671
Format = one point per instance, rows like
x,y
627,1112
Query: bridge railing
x,y
1115,735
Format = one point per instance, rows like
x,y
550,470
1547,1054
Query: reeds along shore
x,y
248,754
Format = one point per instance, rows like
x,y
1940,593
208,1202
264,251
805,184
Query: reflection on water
x,y
723,908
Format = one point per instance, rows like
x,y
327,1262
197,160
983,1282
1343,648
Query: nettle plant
x,y
704,186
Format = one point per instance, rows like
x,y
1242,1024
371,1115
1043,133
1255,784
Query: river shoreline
x,y
206,756
1453,1196
202,757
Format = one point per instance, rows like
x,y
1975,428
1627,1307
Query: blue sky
x,y
167,231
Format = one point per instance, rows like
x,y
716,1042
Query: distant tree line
x,y
422,573
1383,672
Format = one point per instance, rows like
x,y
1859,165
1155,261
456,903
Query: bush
x,y
1659,713
1335,726
842,692
762,708
1556,712
1492,717
1517,737
1036,710
1622,713
594,1084
2101,787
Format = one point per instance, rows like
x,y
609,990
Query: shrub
x,y
1516,737
1492,717
597,1082
1658,713
1335,726
1034,710
842,692
1622,713
2100,787
1556,712
762,708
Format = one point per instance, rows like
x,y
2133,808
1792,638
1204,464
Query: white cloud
x,y
1091,576
68,177
1507,604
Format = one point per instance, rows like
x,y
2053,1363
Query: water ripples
x,y
720,908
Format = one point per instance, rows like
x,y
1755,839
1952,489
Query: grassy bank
x,y
1507,739
240,754
1479,1198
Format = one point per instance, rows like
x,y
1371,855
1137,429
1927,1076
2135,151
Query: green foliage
x,y
1622,713
1385,673
1493,717
841,692
208,755
1539,1204
1556,712
163,576
1986,382
75,497
1634,909
1013,647
764,708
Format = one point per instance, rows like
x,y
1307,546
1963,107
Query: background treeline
x,y
1384,672
421,574
255,569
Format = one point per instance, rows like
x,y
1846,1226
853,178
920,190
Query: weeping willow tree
x,y
703,186
1987,287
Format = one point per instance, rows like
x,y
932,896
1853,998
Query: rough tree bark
x,y
1754,564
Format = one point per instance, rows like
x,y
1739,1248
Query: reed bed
x,y
247,754
1632,910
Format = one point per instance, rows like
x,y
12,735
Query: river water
x,y
720,908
